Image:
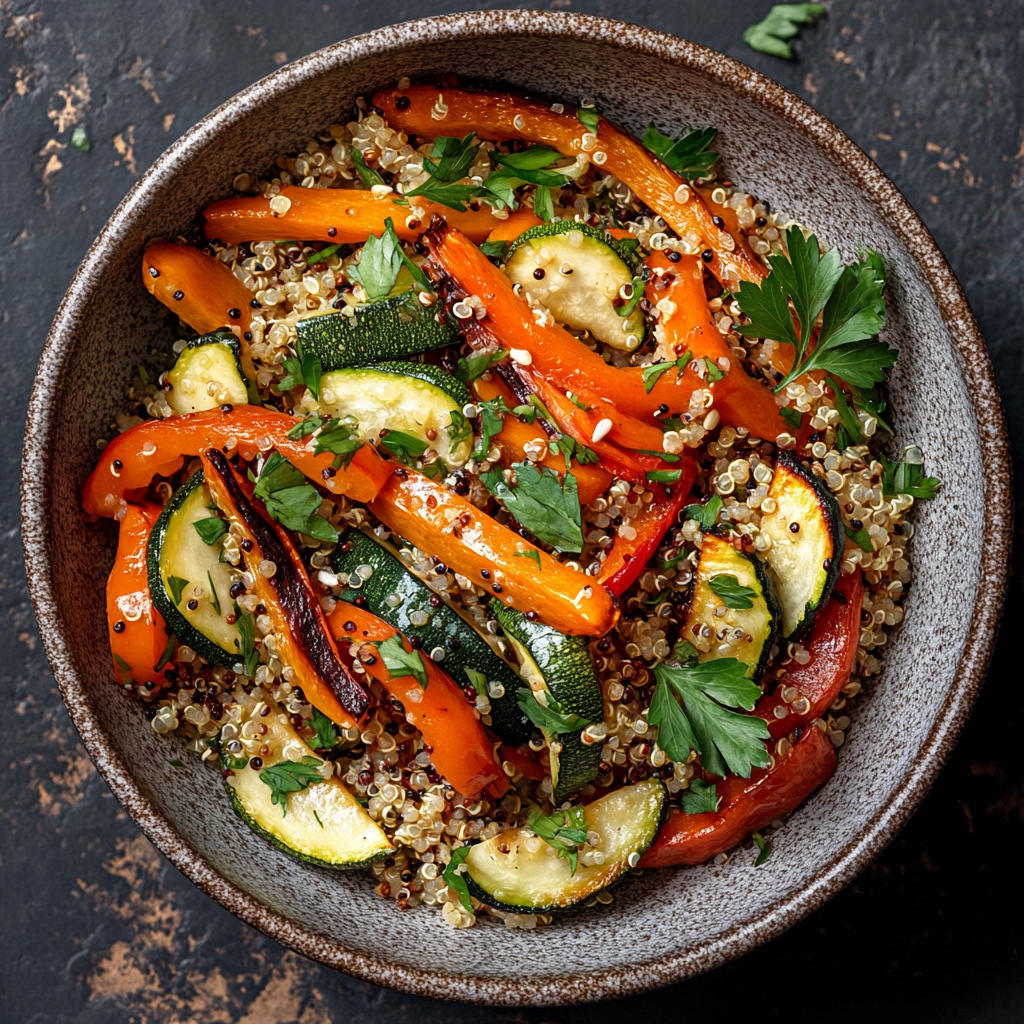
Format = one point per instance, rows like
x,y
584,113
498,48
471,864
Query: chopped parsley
x,y
714,371
589,118
380,262
305,368
80,140
324,254
326,733
453,876
637,285
651,374
732,593
792,417
783,23
861,538
339,439
211,529
291,500
479,681
247,643
907,477
690,708
664,476
407,448
551,718
492,419
701,798
400,662
566,831
290,777
764,848
496,250
367,175
541,503
214,596
177,586
544,204
459,429
849,300
477,364
706,514
688,156
306,427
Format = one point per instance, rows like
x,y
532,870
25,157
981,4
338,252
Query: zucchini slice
x,y
392,328
324,823
517,871
560,667
414,398
720,631
183,566
207,375
402,599
807,542
576,271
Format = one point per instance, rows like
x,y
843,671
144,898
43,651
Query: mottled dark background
x,y
95,925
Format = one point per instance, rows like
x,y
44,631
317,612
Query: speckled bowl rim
x,y
889,818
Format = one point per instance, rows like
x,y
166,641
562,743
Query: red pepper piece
x,y
746,805
833,649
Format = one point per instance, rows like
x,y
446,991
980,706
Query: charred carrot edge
x,y
461,752
471,542
591,480
303,639
677,290
138,635
159,447
502,117
201,290
459,269
747,805
334,215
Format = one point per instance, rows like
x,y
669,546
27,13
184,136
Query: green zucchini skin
x,y
804,564
759,622
393,328
627,819
566,667
463,645
157,558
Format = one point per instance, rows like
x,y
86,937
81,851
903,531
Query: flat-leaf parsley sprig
x,y
848,299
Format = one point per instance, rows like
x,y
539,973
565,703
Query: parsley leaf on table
x,y
849,300
210,529
541,503
783,22
453,877
688,156
906,477
701,798
400,662
290,777
727,741
732,593
551,719
291,500
564,830
706,514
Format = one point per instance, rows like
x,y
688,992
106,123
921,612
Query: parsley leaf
x,y
367,175
714,371
543,204
400,662
907,477
172,645
534,554
783,22
324,254
733,595
290,500
247,642
564,830
290,777
706,514
701,798
541,503
211,529
589,118
551,719
304,369
407,448
453,877
496,250
637,285
80,140
306,427
492,420
340,439
214,596
379,263
727,741
326,734
664,476
850,431
449,162
459,429
861,538
792,417
479,681
764,848
652,373
477,364
177,586
688,156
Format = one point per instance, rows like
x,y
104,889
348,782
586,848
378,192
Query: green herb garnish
x,y
453,877
324,254
405,447
688,156
290,777
400,662
534,554
326,732
550,718
541,503
247,642
211,529
907,477
783,23
177,586
80,140
367,175
305,368
732,593
706,514
764,848
700,798
477,364
861,538
566,831
291,500
589,118
214,596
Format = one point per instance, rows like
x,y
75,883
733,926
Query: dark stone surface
x,y
96,926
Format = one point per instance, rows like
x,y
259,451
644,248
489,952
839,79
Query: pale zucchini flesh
x,y
323,824
519,872
205,377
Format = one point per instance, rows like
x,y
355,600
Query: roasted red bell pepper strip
x,y
502,117
461,750
677,291
746,805
201,290
480,548
459,269
832,646
138,636
159,447
591,480
627,558
335,215
303,640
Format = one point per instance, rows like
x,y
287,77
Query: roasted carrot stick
x,y
138,636
462,752
501,117
509,230
591,480
201,290
480,548
159,447
746,805
303,640
334,215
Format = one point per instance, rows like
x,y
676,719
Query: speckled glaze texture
x,y
664,925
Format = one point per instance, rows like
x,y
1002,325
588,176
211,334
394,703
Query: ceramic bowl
x,y
664,925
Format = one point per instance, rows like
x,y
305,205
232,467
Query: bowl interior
x,y
661,925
